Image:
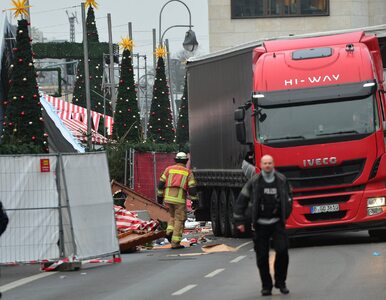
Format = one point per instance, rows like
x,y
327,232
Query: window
x,y
242,9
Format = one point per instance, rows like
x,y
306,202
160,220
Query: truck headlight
x,y
376,202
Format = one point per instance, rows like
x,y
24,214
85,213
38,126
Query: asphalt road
x,y
340,266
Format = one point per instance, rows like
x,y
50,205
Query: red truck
x,y
317,105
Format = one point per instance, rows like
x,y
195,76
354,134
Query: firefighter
x,y
175,183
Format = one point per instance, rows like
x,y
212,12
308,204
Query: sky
x,y
50,17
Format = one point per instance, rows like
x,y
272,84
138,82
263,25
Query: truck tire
x,y
214,213
231,203
378,233
224,214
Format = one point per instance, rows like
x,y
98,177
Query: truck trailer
x,y
316,103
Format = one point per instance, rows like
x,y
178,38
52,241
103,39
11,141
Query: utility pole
x,y
170,84
28,18
86,77
154,47
112,79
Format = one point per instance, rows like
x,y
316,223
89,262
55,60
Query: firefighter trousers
x,y
262,237
176,222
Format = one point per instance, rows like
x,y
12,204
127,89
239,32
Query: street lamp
x,y
190,42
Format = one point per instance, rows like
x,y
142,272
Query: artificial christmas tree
x,y
127,123
23,122
160,128
183,118
98,103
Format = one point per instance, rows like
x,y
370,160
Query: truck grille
x,y
345,173
327,216
336,215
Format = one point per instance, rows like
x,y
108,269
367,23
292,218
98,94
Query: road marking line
x,y
184,290
237,259
242,245
26,280
252,250
214,273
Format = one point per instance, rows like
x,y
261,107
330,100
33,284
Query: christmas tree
x,y
23,121
160,128
127,123
183,118
98,103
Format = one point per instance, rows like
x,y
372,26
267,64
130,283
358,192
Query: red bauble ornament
x,y
22,113
22,97
20,60
33,137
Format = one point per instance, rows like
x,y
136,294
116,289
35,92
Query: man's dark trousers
x,y
261,240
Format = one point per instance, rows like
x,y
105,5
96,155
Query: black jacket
x,y
246,208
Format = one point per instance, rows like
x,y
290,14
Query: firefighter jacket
x,y
248,201
175,183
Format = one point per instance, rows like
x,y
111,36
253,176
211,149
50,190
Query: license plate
x,y
318,209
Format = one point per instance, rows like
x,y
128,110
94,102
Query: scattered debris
x,y
217,248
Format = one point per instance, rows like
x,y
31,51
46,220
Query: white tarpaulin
x,y
91,204
31,199
58,206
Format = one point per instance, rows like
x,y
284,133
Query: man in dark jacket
x,y
268,196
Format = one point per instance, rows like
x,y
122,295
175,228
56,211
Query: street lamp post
x,y
190,44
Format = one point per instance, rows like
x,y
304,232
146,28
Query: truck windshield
x,y
331,120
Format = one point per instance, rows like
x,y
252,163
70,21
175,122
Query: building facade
x,y
234,22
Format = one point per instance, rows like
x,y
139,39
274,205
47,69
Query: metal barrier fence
x,y
58,205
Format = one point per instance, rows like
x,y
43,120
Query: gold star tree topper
x,y
91,3
160,51
126,44
20,7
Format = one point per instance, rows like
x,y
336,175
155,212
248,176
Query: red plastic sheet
x,y
144,166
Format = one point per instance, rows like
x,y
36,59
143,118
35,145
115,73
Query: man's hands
x,y
160,200
241,228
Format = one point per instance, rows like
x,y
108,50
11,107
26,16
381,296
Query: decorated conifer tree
x,y
182,136
95,69
127,122
23,121
160,127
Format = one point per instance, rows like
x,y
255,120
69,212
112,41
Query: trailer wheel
x,y
378,233
231,203
214,213
224,214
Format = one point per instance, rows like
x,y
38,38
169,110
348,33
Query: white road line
x,y
237,259
242,245
23,281
214,273
252,250
184,290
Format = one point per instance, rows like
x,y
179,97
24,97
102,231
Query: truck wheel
x,y
214,213
231,203
378,233
224,214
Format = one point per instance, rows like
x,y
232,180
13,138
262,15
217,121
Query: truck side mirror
x,y
241,134
239,114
